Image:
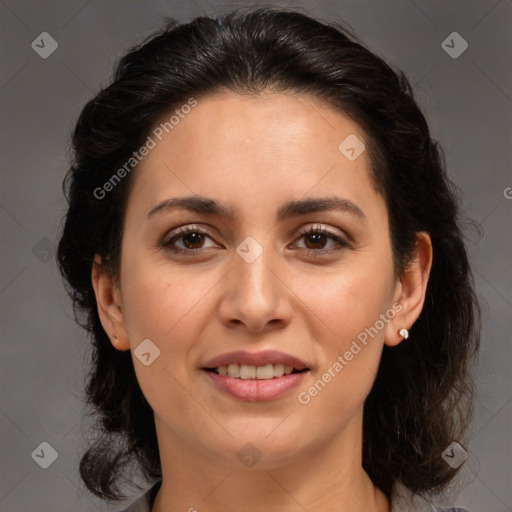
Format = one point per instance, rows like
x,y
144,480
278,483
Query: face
x,y
266,278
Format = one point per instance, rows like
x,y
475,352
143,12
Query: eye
x,y
317,237
192,239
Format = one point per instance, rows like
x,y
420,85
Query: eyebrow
x,y
292,208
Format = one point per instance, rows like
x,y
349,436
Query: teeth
x,y
234,370
247,371
278,370
265,372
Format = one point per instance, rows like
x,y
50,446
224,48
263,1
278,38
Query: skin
x,y
247,152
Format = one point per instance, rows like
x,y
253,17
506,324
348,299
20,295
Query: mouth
x,y
255,376
246,371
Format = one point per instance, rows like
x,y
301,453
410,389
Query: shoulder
x,y
144,502
403,500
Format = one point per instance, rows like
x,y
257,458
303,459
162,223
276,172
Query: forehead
x,y
263,146
286,125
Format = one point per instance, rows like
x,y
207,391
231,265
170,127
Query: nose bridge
x,y
255,295
252,268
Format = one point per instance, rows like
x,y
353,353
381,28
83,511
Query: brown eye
x,y
317,238
191,239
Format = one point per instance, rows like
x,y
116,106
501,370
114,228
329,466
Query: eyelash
x,y
318,230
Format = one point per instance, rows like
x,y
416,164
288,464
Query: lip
x,y
255,390
256,359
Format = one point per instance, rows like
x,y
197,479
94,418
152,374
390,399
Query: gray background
x,y
467,101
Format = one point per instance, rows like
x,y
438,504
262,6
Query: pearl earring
x,y
116,336
404,333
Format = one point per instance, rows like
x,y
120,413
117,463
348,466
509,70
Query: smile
x,y
246,371
253,377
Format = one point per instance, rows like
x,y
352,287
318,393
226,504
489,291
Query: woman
x,y
265,245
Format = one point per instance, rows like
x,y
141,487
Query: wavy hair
x,y
422,397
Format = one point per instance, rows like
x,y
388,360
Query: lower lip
x,y
255,390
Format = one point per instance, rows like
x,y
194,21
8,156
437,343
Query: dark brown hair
x,y
421,400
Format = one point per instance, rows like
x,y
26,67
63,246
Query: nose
x,y
255,296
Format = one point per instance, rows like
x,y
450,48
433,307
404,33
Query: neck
x,y
325,478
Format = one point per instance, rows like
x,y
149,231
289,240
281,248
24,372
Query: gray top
x,y
402,500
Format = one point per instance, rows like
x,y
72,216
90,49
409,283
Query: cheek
x,y
158,302
346,302
161,309
349,331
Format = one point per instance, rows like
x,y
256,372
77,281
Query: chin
x,y
265,444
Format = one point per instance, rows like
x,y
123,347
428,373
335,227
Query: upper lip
x,y
256,359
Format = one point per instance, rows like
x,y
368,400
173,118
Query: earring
x,y
404,333
116,336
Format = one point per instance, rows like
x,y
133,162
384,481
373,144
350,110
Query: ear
x,y
411,289
108,299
